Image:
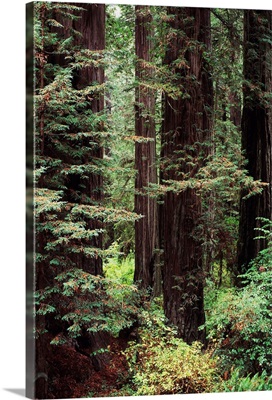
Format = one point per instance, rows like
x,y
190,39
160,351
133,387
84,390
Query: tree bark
x,y
187,120
91,25
256,131
145,152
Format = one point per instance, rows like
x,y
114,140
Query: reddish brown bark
x,y
146,227
187,120
91,25
256,130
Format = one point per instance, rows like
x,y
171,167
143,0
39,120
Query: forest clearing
x,y
152,173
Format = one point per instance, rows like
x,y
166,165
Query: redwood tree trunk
x,y
256,130
92,27
145,152
187,120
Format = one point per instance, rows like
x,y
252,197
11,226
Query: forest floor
x,y
75,376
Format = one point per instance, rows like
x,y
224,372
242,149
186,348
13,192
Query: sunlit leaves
x,y
47,200
106,214
161,363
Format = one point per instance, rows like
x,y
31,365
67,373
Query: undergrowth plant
x,y
236,383
161,363
239,320
120,269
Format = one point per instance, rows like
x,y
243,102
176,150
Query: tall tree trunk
x,y
145,152
92,27
256,130
187,121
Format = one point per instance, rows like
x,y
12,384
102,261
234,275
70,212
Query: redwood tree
x,y
68,152
145,149
186,128
91,25
256,130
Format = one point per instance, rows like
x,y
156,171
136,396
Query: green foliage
x,y
264,259
88,302
120,269
236,383
241,323
65,227
161,363
119,177
63,161
69,138
226,60
72,213
240,320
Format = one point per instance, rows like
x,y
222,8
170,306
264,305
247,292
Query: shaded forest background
x,y
152,167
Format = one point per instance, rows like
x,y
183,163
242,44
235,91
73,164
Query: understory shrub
x,y
161,363
240,324
239,320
